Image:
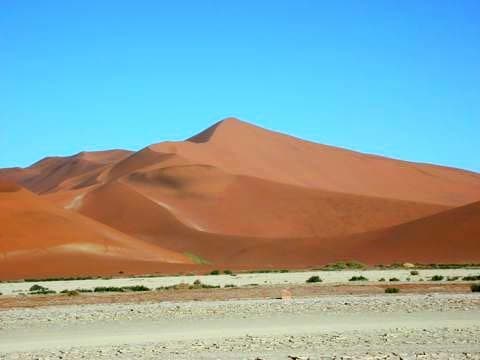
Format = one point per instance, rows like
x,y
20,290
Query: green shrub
x,y
475,287
215,272
206,286
108,289
342,265
197,284
84,290
228,272
230,286
70,292
394,279
136,288
392,290
40,290
471,278
414,272
45,291
437,278
314,279
37,288
381,279
453,278
358,278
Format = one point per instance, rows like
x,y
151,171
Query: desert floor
x,y
426,320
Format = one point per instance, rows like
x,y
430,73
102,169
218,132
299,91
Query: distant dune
x,y
234,195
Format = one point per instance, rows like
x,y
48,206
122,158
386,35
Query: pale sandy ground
x,y
396,326
328,277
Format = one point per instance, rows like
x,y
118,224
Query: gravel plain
x,y
386,326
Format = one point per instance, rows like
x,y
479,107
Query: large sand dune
x,y
239,195
241,148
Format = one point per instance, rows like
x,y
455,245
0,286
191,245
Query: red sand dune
x,y
451,236
241,196
40,235
214,201
123,208
244,149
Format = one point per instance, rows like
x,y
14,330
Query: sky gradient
x,y
394,78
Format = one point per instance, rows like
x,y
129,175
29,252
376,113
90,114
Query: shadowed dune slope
x,y
121,207
244,149
208,199
451,236
34,231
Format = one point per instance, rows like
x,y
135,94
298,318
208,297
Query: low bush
x,y
40,290
314,279
414,272
381,279
358,278
215,272
267,271
392,290
453,278
197,284
228,272
136,288
181,286
206,286
394,279
343,265
475,287
471,278
230,286
70,292
437,278
45,291
37,287
108,289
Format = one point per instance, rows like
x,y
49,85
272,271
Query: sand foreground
x,y
407,326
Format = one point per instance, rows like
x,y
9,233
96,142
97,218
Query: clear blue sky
x,y
397,78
